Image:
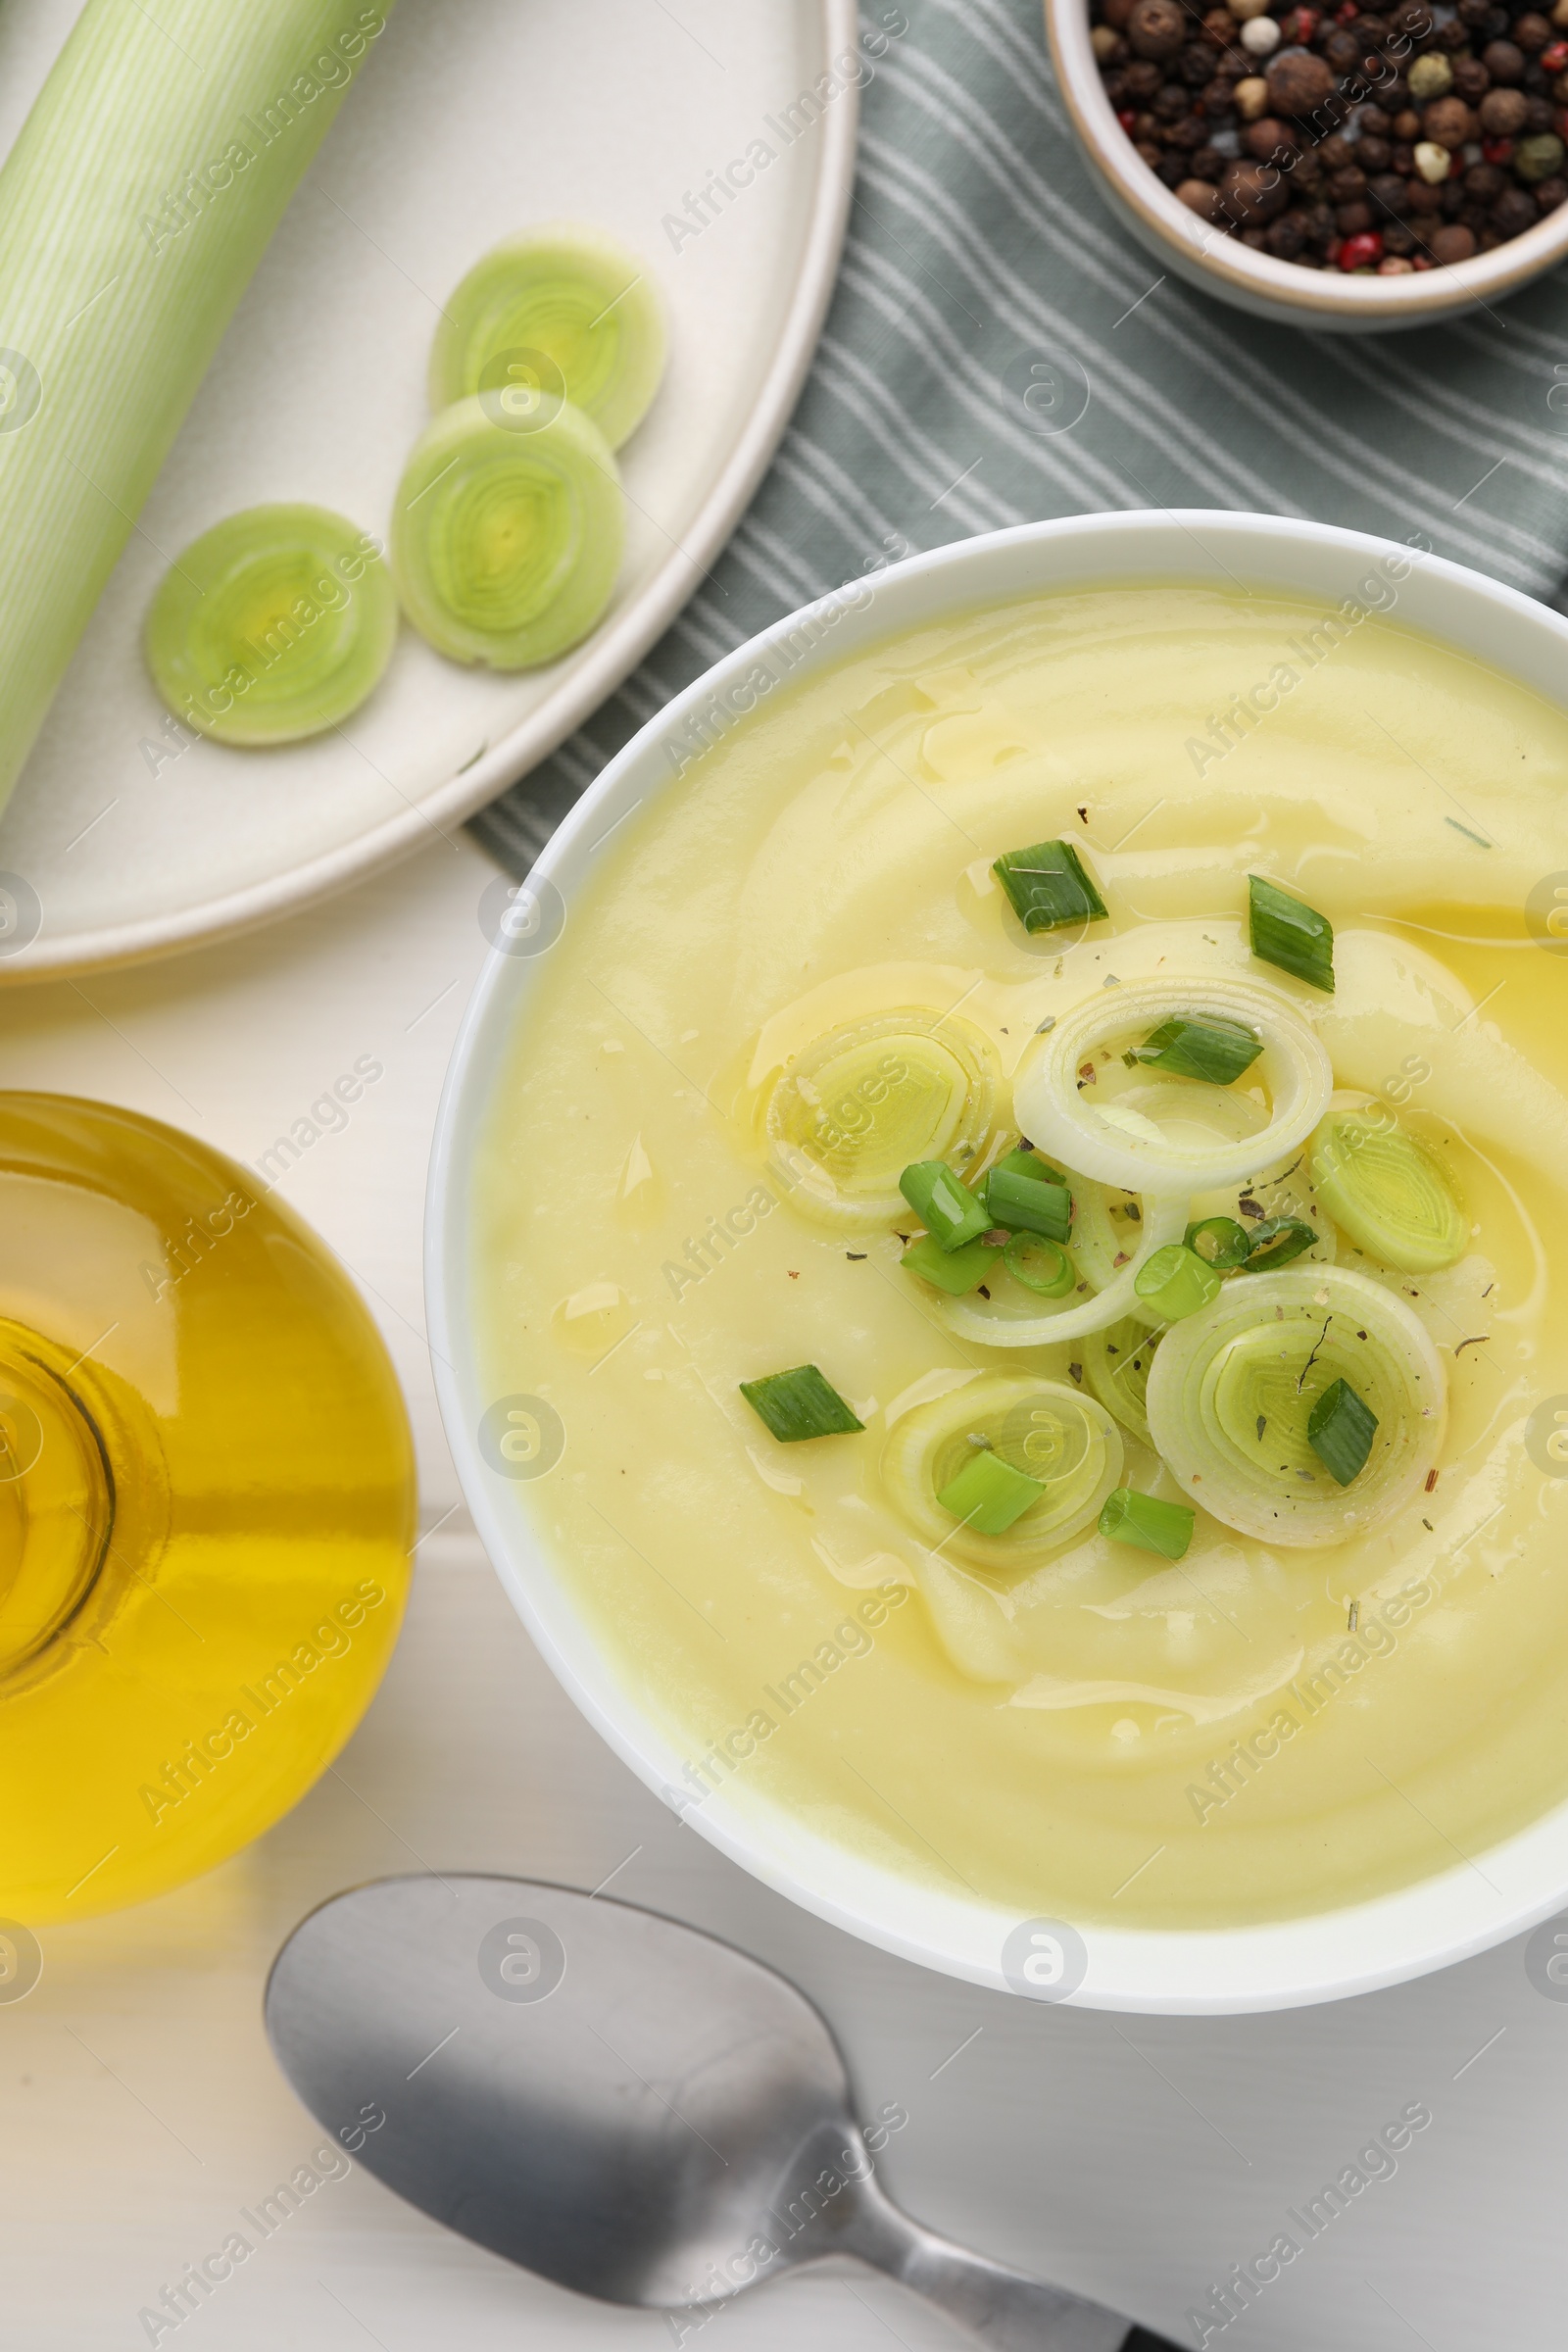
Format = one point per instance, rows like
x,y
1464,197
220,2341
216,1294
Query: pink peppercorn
x,y
1498,151
1555,57
1127,117
1362,252
1346,12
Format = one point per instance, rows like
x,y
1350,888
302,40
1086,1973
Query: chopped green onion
x,y
506,545
1339,1430
1220,1241
989,1494
1023,1194
1275,1242
274,625
559,312
1216,1051
1040,1265
1049,886
1391,1194
1129,1517
947,1209
1175,1282
800,1404
140,193
1286,932
954,1271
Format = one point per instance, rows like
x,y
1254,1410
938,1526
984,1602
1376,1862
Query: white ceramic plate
x,y
469,123
1422,1927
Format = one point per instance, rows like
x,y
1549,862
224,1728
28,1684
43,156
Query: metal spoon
x,y
614,2100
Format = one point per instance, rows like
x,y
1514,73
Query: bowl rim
x,y
1257,279
1362,1947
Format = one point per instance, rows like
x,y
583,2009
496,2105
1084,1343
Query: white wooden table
x,y
1138,2160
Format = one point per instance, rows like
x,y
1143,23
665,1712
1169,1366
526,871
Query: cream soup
x,y
1296,1712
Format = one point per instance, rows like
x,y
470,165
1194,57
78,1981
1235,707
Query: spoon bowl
x,y
611,2099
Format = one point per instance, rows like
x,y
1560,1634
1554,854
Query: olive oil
x,y
206,1507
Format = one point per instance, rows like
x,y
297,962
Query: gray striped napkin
x,y
987,294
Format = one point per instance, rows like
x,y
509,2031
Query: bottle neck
x,y
57,1495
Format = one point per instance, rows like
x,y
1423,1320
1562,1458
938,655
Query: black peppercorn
x,y
1514,212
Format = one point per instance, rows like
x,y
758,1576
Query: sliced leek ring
x,y
1116,1366
504,545
1078,1102
1231,1391
1388,1190
557,314
862,1103
272,625
1068,1442
1016,1317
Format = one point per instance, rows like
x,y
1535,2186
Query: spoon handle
x,y
1004,2309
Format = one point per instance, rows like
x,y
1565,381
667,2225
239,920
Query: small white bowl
x,y
1320,1958
1326,299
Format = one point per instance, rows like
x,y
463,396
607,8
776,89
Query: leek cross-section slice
x,y
862,1103
274,625
1076,1098
1041,1430
1232,1395
506,546
559,312
1388,1191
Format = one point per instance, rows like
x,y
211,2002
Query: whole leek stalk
x,y
133,209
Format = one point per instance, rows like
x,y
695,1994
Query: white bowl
x,y
1319,1958
1325,299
